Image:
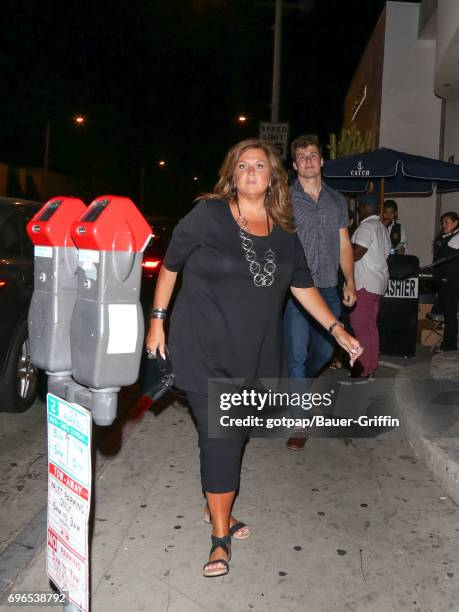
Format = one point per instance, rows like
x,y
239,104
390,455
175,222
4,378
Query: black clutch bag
x,y
159,376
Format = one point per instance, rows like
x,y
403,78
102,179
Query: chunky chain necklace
x,y
263,278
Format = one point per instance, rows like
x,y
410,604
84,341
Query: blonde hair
x,y
277,198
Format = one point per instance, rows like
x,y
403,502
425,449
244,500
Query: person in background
x,y
371,246
321,216
240,256
446,277
397,233
352,222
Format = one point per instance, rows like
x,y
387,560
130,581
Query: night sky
x,y
166,80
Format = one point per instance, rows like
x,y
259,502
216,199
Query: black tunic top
x,y
222,325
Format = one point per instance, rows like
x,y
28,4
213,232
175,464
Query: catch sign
x,y
276,134
69,498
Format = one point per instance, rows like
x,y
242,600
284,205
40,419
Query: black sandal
x,y
236,527
233,529
225,544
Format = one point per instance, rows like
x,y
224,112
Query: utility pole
x,y
302,5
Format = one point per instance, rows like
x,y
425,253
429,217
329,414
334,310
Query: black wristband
x,y
333,325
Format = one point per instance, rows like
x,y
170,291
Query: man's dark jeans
x,y
308,345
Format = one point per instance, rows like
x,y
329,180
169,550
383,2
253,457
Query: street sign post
x,y
277,135
69,498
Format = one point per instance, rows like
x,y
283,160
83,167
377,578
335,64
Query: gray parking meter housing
x,y
107,327
55,283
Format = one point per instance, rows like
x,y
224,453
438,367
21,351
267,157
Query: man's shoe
x,y
356,380
297,440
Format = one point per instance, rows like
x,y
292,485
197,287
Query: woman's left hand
x,y
348,343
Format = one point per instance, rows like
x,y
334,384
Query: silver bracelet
x,y
159,313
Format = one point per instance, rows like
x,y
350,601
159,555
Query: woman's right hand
x,y
348,343
156,338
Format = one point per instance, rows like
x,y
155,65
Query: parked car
x,y
18,377
162,228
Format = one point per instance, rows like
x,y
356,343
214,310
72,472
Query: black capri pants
x,y
220,457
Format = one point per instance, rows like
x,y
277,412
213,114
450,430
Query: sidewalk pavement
x,y
346,525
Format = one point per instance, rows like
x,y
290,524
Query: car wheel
x,y
20,377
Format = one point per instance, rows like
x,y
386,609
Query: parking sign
x,y
69,498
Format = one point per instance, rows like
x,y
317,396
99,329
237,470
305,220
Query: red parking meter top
x,y
111,223
51,225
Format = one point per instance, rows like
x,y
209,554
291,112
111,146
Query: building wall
x,y
447,41
410,113
450,201
362,106
33,179
447,85
27,183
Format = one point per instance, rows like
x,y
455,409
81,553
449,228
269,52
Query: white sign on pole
x,y
276,134
69,498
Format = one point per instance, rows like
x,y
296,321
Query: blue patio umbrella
x,y
392,172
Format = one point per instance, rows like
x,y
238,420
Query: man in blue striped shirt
x,y
321,217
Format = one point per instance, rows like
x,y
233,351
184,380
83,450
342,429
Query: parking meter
x,y
107,326
55,283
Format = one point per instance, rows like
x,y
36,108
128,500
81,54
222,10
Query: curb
x,y
440,454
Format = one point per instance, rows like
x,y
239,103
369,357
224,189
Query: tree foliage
x,y
350,141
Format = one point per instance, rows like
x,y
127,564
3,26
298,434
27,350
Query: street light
x,y
161,164
77,120
242,118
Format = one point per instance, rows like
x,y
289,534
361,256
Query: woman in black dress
x,y
446,276
240,255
